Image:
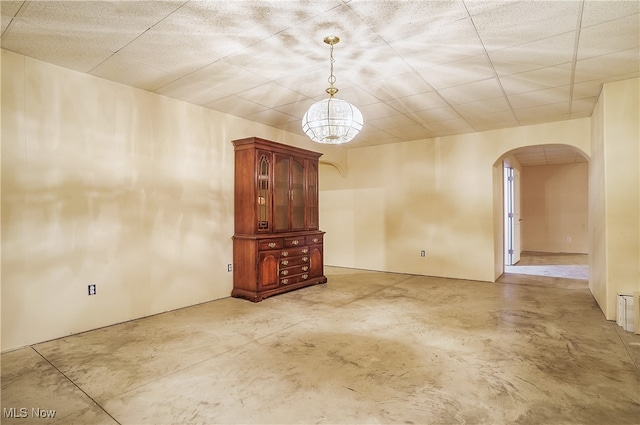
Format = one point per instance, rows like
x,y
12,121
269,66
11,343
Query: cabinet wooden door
x,y
315,261
268,269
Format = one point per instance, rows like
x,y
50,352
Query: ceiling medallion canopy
x,y
332,121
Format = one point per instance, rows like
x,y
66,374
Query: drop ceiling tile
x,y
374,63
371,136
490,121
609,37
410,132
417,102
294,126
391,122
398,86
166,52
587,89
479,90
440,44
271,58
549,96
583,107
596,12
270,117
426,116
356,96
10,8
193,92
398,20
550,51
545,113
135,74
310,82
487,106
237,106
463,71
450,127
622,63
296,109
526,21
537,79
221,76
377,110
476,7
271,95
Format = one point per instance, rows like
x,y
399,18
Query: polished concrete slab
x,y
368,347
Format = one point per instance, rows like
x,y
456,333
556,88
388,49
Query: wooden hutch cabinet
x,y
277,245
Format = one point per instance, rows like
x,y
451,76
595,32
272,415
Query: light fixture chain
x,y
332,78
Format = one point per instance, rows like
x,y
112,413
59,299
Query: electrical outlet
x,y
91,289
423,253
229,267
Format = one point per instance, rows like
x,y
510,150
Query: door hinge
x,y
511,251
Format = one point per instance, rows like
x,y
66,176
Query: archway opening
x,y
551,212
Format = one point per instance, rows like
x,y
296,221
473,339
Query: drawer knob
x,y
284,262
305,250
284,253
295,242
305,259
304,276
315,240
284,281
272,244
305,268
284,272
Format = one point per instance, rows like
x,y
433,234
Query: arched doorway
x,y
548,229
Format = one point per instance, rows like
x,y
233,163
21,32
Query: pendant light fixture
x,y
332,121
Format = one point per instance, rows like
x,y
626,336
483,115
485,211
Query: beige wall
x,y
106,184
555,206
614,194
440,195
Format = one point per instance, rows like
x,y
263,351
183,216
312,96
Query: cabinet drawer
x,y
270,244
294,252
291,271
294,279
294,242
293,261
315,239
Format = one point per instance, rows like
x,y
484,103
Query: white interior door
x,y
508,215
517,220
512,217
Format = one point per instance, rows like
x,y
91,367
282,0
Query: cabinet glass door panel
x,y
263,200
281,195
297,194
312,197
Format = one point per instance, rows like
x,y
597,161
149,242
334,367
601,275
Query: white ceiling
x,y
416,69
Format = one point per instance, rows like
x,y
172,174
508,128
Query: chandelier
x,y
332,121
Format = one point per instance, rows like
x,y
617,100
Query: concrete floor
x,y
368,347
